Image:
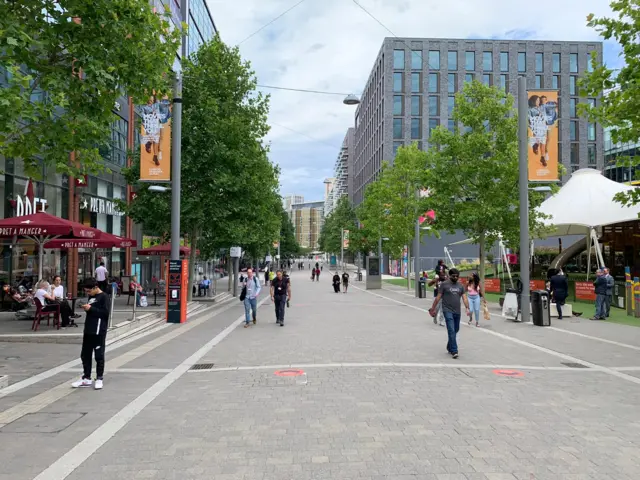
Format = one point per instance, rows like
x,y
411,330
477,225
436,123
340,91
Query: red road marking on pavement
x,y
288,373
509,373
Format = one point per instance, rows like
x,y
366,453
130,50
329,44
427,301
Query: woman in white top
x,y
57,290
43,294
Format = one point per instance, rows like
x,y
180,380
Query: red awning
x,y
106,240
45,225
164,249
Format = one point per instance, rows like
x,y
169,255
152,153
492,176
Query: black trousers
x,y
103,285
93,344
336,287
280,302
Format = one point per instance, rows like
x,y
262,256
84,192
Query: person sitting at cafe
x,y
204,287
57,290
47,300
136,288
18,300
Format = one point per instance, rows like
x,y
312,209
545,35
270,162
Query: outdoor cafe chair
x,y
54,310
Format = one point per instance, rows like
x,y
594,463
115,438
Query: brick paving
x,y
379,399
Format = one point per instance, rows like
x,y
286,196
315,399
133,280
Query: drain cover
x,y
202,366
574,365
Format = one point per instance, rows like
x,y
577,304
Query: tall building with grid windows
x,y
411,89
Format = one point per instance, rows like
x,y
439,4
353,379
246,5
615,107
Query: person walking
x,y
345,282
95,334
317,274
101,275
313,274
280,295
450,293
253,287
474,294
438,318
559,289
600,284
609,298
336,282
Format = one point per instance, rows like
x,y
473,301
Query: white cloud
x,y
331,45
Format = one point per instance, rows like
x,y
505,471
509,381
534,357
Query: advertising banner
x,y
155,140
492,285
543,135
345,238
536,285
585,291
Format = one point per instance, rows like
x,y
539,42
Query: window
x,y
555,82
573,62
487,61
573,110
451,103
575,158
416,128
572,85
486,79
589,65
538,81
573,131
591,132
555,62
398,59
416,60
451,125
397,82
468,77
397,104
591,102
434,59
503,82
416,105
539,62
452,60
415,82
433,124
591,155
396,146
434,106
397,128
452,83
433,83
470,60
522,61
504,61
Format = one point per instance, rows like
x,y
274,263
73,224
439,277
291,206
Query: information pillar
x,y
177,290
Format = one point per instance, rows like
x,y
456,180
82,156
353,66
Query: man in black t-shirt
x,y
280,294
345,282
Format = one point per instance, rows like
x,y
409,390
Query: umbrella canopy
x,y
45,225
106,240
164,249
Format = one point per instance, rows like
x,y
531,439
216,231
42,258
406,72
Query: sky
x,y
330,45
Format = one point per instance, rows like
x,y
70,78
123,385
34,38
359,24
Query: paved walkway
x,y
369,392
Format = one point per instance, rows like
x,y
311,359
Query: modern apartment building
x,y
613,152
329,184
411,88
289,200
308,219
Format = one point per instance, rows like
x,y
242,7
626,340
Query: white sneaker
x,y
83,382
98,385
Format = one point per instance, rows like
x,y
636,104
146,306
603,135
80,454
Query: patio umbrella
x,y
164,249
42,228
106,240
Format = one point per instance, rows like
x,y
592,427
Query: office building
x,y
308,219
411,88
289,200
613,153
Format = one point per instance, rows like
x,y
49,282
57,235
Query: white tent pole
x,y
40,258
589,240
503,252
599,257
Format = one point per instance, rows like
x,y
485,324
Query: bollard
x,y
113,300
135,303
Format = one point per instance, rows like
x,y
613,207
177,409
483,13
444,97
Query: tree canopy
x,y
64,64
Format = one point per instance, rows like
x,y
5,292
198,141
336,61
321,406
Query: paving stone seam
x,y
75,457
591,337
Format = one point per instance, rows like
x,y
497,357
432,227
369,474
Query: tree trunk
x,y
481,270
193,236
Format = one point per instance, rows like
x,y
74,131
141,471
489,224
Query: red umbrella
x,y
106,240
164,249
43,227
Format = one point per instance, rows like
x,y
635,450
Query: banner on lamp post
x,y
345,238
155,140
543,135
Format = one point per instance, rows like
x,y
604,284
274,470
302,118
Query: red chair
x,y
53,309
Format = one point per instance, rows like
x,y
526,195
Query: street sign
x,y
267,258
235,252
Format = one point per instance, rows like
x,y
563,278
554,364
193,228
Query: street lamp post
x,y
524,196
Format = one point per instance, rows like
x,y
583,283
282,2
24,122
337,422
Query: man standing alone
x,y
601,295
610,284
252,284
280,295
101,276
450,293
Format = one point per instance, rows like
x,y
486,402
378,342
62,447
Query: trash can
x,y
359,276
422,290
540,308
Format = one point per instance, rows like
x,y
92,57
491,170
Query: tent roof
x,y
587,201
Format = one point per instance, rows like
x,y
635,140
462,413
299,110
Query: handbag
x,y
243,293
485,310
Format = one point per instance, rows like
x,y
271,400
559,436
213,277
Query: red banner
x,y
585,291
492,285
536,285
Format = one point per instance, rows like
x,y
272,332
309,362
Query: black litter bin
x,y
359,276
541,308
422,291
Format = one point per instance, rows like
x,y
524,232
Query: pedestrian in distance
x,y
600,284
450,293
474,294
317,274
609,298
336,282
313,274
559,289
345,282
438,318
280,295
250,291
95,334
101,274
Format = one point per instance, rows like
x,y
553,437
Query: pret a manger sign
x,y
28,203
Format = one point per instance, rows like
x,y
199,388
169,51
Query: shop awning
x,y
164,249
106,240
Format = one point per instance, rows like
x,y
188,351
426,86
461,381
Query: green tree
x,y
289,247
618,92
472,172
64,64
342,217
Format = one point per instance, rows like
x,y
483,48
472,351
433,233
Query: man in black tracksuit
x,y
280,290
95,334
